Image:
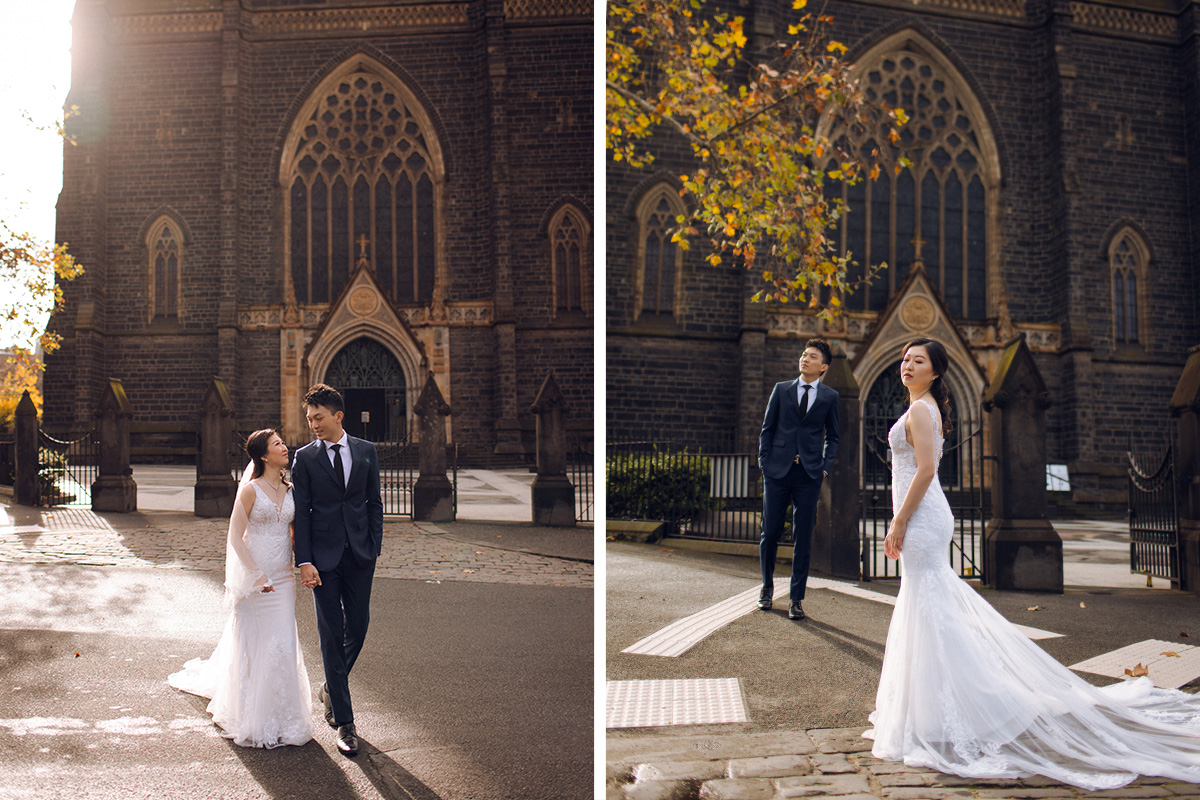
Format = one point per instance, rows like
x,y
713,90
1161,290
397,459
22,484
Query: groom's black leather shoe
x,y
347,740
764,600
795,611
323,695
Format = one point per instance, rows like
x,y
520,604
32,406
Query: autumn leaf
x,y
1034,608
1137,672
1183,633
1083,605
1170,654
470,570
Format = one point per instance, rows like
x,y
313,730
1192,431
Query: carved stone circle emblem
x,y
917,314
363,301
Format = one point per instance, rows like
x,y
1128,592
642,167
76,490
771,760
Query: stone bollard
x,y
114,488
1185,407
25,470
552,495
433,494
836,546
1021,548
215,487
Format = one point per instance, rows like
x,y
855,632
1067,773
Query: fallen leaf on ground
x,y
1034,608
1170,654
1183,633
77,654
469,570
1138,671
1083,605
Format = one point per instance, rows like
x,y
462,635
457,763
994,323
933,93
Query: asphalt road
x,y
464,690
822,672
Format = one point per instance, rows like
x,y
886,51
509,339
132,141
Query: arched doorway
x,y
886,401
372,383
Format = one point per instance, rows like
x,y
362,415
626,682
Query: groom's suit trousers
x,y
343,612
802,491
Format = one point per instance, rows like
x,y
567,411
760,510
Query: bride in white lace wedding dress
x,y
256,675
962,690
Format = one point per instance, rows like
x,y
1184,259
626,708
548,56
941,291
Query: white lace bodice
x,y
269,536
927,539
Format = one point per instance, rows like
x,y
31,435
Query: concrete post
x,y
1023,551
552,495
25,471
114,488
836,546
215,487
433,494
1185,407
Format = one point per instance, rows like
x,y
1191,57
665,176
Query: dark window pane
x,y
650,272
362,225
1131,315
384,246
160,285
172,306
405,292
880,191
905,224
976,251
425,239
1119,305
856,241
299,241
954,246
575,275
340,215
320,241
930,219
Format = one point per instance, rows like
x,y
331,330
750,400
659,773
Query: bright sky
x,y
35,76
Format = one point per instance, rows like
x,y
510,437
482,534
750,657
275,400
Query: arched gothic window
x,y
659,260
362,168
569,250
937,210
164,243
1128,258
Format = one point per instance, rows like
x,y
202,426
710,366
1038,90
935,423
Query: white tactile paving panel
x,y
1165,672
693,701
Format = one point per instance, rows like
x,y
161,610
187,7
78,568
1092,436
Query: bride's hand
x,y
893,543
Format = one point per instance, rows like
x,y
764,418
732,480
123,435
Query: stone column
x,y
836,547
114,488
433,494
25,471
1021,548
553,495
1185,407
215,487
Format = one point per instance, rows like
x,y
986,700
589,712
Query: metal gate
x,y
961,475
1154,547
67,469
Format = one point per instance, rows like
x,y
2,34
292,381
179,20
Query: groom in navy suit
x,y
796,448
339,534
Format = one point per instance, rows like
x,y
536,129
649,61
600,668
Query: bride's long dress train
x,y
964,692
256,675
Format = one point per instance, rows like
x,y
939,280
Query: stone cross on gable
x,y
917,242
362,242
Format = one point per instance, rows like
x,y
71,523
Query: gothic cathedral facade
x,y
1053,191
280,193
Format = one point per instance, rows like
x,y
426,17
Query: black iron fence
x,y
697,494
8,457
67,468
581,469
1154,544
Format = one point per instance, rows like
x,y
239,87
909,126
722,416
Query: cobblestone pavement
x,y
414,551
816,763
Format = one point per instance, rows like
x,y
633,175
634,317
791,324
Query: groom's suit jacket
x,y
328,516
785,434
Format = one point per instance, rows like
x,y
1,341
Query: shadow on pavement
x,y
390,779
861,650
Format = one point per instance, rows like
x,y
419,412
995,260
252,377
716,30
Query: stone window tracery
x,y
659,260
1128,258
569,233
165,246
935,211
360,169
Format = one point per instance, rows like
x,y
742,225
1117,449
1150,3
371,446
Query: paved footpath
x,y
816,763
177,540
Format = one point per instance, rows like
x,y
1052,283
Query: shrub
x,y
672,487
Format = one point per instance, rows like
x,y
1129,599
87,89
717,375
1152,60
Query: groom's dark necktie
x,y
338,469
804,400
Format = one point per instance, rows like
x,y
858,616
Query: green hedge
x,y
672,487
